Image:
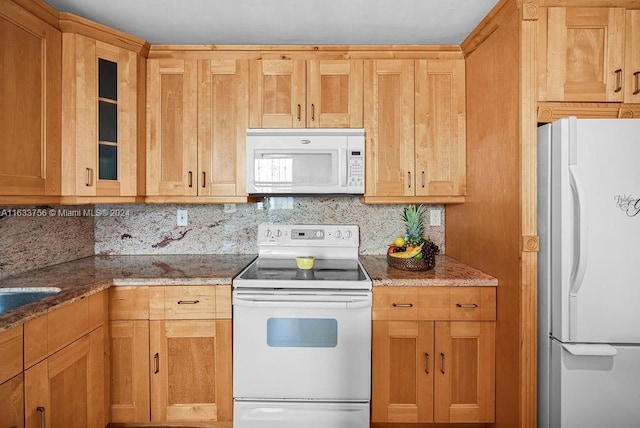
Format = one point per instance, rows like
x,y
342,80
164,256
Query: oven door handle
x,y
304,303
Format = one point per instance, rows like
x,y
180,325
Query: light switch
x,y
182,218
435,217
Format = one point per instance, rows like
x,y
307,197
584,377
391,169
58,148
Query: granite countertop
x,y
448,272
81,278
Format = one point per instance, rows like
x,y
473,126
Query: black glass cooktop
x,y
285,269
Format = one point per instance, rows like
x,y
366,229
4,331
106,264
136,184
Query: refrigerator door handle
x,y
579,238
590,350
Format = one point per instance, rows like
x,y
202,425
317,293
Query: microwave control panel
x,y
356,169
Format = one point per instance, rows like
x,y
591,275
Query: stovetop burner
x,y
285,269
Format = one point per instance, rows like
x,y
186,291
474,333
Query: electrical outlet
x,y
229,208
435,217
182,218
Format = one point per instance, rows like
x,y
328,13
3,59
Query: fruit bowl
x,y
412,264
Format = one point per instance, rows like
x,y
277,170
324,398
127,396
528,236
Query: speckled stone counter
x,y
80,278
448,272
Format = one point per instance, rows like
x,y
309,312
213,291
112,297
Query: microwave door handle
x,y
343,167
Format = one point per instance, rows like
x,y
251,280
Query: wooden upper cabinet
x,y
632,58
306,94
581,56
440,133
172,132
389,127
29,106
100,106
415,125
197,116
223,117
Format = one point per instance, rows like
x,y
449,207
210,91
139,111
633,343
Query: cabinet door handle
x,y
40,409
442,357
204,179
402,305
637,76
299,112
156,363
618,80
409,178
188,302
426,362
190,179
467,305
313,112
423,183
88,177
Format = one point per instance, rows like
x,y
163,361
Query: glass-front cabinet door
x,y
100,106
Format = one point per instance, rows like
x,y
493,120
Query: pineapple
x,y
412,217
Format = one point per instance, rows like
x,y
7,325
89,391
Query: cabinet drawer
x,y
10,353
395,303
182,302
129,303
473,304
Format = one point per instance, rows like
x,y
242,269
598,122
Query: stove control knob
x,y
268,233
278,233
338,234
348,234
319,234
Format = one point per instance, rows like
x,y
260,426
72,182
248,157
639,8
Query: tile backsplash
x,y
220,229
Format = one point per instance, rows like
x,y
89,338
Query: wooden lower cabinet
x,y
170,357
12,402
67,388
191,377
425,371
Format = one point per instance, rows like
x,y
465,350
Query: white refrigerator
x,y
589,273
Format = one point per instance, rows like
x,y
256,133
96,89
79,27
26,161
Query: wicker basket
x,y
412,263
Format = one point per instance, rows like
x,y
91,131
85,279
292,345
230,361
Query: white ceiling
x,y
431,22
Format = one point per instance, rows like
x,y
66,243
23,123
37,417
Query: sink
x,y
12,298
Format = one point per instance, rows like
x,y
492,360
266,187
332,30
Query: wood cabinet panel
x,y
172,132
12,402
632,57
223,118
440,128
129,303
29,105
11,343
464,371
389,127
130,390
581,56
191,349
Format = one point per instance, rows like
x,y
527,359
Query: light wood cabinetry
x,y
65,372
297,93
163,337
29,106
11,378
433,355
197,117
415,128
589,54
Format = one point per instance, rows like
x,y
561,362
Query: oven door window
x,y
302,332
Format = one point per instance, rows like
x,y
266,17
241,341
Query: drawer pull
x,y
188,302
467,306
40,409
156,363
402,305
637,75
426,362
618,80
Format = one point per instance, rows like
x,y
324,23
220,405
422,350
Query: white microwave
x,y
305,161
